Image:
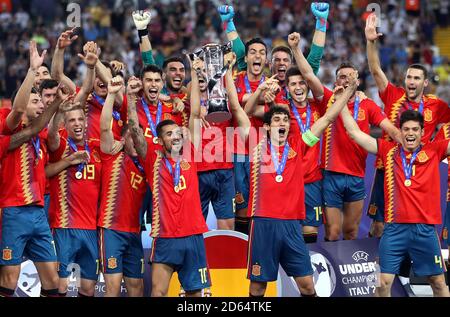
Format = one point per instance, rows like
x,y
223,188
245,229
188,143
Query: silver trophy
x,y
217,105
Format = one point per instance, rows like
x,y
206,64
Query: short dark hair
x,y
411,115
292,71
14,94
162,124
171,60
282,48
345,64
421,67
46,66
47,84
254,41
275,110
151,69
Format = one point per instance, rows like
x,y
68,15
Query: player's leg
x,y
194,272
446,239
111,248
384,290
263,258
427,260
354,195
333,187
223,200
134,265
42,251
9,275
161,275
242,183
393,249
437,283
376,206
89,260
167,255
66,248
14,236
314,217
294,257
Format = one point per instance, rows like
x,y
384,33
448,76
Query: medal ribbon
x,y
115,113
176,175
149,117
279,166
74,148
248,88
303,127
407,168
36,145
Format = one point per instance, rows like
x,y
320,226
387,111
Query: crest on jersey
x,y
372,210
422,156
361,115
167,116
256,270
7,254
291,153
185,165
428,115
96,156
112,263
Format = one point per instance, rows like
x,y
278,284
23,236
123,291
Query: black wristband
x,y
142,33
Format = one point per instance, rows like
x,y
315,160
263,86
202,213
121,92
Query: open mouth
x,y
101,85
282,132
411,89
78,132
299,94
257,65
177,81
410,141
282,71
201,80
153,93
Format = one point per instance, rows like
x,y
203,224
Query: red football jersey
x,y
123,190
268,198
311,160
93,112
418,203
166,114
3,126
4,145
339,152
214,150
74,202
22,174
444,134
435,111
175,214
244,87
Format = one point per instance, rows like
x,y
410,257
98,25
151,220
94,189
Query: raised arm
x,y
320,11
226,13
364,140
236,110
195,117
90,59
391,130
36,126
133,87
141,20
331,114
57,68
19,106
106,135
307,72
252,107
372,53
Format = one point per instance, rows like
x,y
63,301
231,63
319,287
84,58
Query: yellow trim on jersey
x,y
25,173
62,197
255,174
328,134
389,179
113,187
156,178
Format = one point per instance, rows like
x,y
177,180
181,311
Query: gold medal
x,y
36,161
78,175
155,140
279,178
176,189
120,123
407,182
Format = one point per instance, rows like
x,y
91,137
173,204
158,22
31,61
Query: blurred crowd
x,y
183,25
